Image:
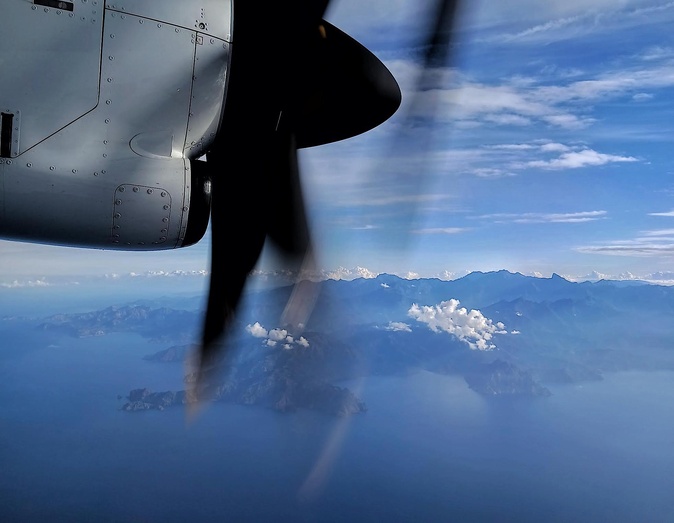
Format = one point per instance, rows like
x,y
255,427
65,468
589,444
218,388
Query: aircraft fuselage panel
x,y
103,110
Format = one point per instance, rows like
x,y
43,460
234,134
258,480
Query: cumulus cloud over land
x,y
257,330
471,327
273,337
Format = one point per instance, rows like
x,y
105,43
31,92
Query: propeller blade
x,y
254,195
323,87
289,231
437,39
440,37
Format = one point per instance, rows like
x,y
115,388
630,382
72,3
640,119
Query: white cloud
x,y
642,97
668,213
578,159
398,326
498,104
533,217
546,27
471,327
556,101
342,273
440,230
642,248
660,232
384,285
276,336
657,243
16,284
257,330
567,121
561,20
498,160
513,146
451,275
178,273
490,172
399,199
657,52
508,119
658,278
554,147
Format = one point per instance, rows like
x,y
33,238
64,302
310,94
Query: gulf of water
x,y
428,449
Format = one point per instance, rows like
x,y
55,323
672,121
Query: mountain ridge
x,y
540,331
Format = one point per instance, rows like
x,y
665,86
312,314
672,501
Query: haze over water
x,y
428,449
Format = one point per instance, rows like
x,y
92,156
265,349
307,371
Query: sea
x,y
428,448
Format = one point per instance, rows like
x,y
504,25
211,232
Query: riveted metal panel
x,y
66,208
141,215
208,90
50,65
63,190
212,17
146,83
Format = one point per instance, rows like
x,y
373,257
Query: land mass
x,y
551,331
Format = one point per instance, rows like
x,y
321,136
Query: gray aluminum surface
x,y
117,102
211,17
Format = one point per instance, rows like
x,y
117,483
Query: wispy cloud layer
x,y
398,326
582,19
532,217
440,230
651,243
18,284
578,159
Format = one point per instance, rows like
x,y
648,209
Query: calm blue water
x,y
428,449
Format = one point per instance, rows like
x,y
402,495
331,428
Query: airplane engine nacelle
x,y
104,109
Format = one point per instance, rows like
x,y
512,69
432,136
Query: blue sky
x,y
545,146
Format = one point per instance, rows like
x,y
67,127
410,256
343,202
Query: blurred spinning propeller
x,y
294,81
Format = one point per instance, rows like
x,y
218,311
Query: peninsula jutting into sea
x,y
506,334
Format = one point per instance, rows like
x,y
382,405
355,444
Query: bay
x,y
428,449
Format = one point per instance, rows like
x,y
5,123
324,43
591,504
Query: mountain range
x,y
507,334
